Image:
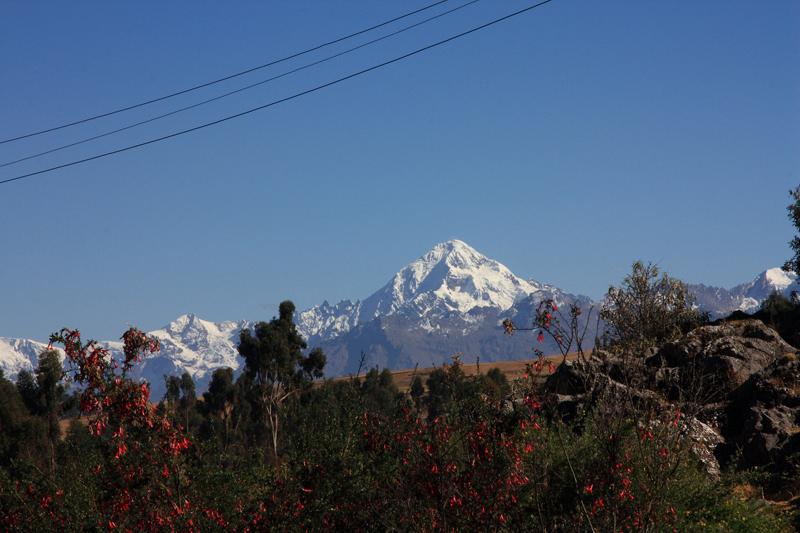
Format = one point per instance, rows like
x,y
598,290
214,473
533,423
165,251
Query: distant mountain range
x,y
747,296
452,300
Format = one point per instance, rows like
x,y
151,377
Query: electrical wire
x,y
236,91
282,100
224,78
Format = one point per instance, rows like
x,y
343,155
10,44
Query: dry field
x,y
511,369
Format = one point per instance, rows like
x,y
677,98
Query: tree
x,y
12,415
793,264
188,399
379,390
496,384
649,308
172,394
26,385
448,386
140,471
50,392
275,363
417,391
220,391
218,403
180,399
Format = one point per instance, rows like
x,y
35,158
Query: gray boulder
x,y
712,361
763,417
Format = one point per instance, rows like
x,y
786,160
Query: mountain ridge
x,y
451,299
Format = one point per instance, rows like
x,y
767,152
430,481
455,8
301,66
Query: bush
x,y
649,308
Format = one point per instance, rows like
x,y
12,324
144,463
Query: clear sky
x,y
565,143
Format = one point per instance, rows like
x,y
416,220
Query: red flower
x,y
121,450
529,448
45,502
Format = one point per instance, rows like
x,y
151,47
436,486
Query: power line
x,y
225,78
282,100
241,89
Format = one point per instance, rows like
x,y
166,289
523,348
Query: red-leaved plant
x,y
141,472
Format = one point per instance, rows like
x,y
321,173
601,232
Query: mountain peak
x,y
777,278
451,277
455,253
749,296
185,321
453,245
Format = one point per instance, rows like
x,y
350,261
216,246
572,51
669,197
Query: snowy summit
x,y
453,275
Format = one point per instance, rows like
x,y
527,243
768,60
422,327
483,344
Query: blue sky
x,y
565,143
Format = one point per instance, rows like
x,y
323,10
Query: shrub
x,y
648,308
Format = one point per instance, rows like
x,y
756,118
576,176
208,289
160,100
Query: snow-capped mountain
x,y
188,344
748,296
450,300
766,283
19,354
326,321
451,279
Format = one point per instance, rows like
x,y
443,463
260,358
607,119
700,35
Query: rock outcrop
x,y
763,416
712,361
740,379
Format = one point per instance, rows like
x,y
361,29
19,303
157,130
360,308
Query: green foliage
x,y
446,387
49,374
674,490
13,417
477,453
779,313
794,215
26,384
649,308
776,309
496,384
720,507
276,369
417,391
379,392
180,400
273,356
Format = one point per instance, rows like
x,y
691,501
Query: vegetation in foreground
x,y
275,449
269,451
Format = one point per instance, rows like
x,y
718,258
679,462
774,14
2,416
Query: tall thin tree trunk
x,y
275,436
